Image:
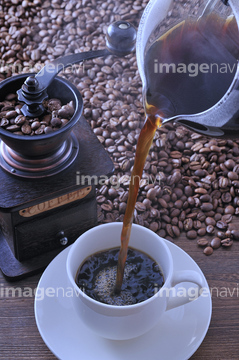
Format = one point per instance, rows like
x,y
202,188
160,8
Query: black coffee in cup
x,y
142,277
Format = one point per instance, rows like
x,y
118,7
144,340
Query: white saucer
x,y
177,336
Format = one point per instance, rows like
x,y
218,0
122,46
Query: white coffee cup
x,y
128,321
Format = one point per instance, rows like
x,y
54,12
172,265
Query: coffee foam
x,y
105,283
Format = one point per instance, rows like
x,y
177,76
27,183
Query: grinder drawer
x,y
45,234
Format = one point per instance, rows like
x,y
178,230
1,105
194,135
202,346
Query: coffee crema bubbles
x,y
142,277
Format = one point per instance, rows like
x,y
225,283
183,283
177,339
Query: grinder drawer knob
x,y
62,238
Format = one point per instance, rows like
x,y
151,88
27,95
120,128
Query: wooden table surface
x,y
20,339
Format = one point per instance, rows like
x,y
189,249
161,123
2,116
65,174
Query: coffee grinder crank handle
x,y
120,41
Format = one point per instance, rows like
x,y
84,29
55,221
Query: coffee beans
x,y
50,121
190,183
198,203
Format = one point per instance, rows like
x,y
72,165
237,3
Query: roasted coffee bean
x,y
4,122
178,204
54,104
221,234
235,234
55,121
174,221
221,225
100,199
192,215
40,130
215,243
176,230
163,203
232,175
180,225
205,198
191,201
226,242
210,221
139,206
182,216
174,212
191,234
200,172
147,203
188,224
202,231
26,129
227,218
13,128
210,229
48,130
166,218
11,114
124,196
151,194
169,230
179,192
210,213
112,193
200,191
197,224
107,207
217,217
201,216
230,164
122,207
154,226
20,119
208,250
206,206
226,197
229,210
66,111
35,125
188,191
203,242
228,234
153,213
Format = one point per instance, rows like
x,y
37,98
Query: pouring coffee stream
x,y
223,112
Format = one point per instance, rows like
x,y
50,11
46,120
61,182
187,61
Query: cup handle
x,y
174,298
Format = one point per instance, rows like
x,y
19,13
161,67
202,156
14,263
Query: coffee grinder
x,y
43,208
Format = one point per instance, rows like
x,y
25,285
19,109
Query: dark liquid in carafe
x,y
193,46
190,68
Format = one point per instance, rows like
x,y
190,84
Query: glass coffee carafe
x,y
187,54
